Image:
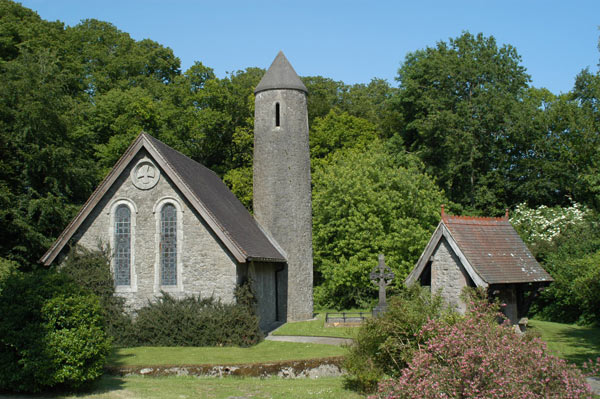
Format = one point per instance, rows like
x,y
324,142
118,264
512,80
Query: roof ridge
x,y
446,218
476,218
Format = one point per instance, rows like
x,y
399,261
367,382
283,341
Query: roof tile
x,y
495,250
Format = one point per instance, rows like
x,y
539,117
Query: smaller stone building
x,y
480,252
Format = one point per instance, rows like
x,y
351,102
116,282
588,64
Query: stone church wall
x,y
448,276
205,267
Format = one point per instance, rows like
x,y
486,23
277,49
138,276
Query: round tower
x,y
282,190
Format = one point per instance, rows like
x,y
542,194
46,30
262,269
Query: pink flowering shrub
x,y
591,368
385,344
478,358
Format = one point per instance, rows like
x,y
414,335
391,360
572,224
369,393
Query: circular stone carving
x,y
145,174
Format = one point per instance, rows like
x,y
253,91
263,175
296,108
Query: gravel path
x,y
595,384
310,340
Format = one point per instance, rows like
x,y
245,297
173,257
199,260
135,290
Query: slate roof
x,y
205,191
490,249
227,209
280,75
495,250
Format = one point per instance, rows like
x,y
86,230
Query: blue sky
x,y
352,41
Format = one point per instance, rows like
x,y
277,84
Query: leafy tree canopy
x,y
458,101
364,204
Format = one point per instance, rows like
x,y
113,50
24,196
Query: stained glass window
x,y
168,245
122,245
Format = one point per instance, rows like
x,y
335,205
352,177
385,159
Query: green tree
x,y
373,102
339,130
364,204
52,133
323,95
109,58
43,171
571,259
586,143
457,101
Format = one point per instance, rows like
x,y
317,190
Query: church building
x,y
486,252
173,226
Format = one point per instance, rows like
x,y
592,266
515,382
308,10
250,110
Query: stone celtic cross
x,y
382,276
146,174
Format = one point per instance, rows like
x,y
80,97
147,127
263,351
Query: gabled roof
x,y
206,192
280,75
489,248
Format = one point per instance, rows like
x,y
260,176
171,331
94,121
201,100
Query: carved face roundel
x,y
145,174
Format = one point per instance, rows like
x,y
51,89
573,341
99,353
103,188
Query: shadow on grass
x,y
585,339
105,384
117,358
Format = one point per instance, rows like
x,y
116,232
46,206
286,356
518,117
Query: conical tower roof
x,y
281,75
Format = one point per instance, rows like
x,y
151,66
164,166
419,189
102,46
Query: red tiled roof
x,y
494,250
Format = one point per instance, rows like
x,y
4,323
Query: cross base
x,y
379,309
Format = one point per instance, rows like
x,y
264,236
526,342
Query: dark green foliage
x,y
91,271
245,295
51,333
385,344
51,81
461,102
7,268
193,321
573,260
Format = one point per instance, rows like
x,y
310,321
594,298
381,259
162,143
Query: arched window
x,y
168,245
122,242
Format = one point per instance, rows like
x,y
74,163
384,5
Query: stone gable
x,y
206,267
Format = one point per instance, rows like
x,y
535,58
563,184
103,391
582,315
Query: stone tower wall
x,y
282,190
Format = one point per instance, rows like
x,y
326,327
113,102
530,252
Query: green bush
x,y
572,260
478,357
194,321
51,333
91,271
385,344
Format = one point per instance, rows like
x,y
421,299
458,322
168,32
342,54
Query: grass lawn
x,y
266,351
571,342
111,387
316,328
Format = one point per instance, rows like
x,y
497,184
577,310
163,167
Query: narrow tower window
x,y
122,245
168,245
277,114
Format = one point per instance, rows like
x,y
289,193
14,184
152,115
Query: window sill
x,y
170,288
125,288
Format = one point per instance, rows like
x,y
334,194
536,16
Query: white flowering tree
x,y
543,224
567,242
